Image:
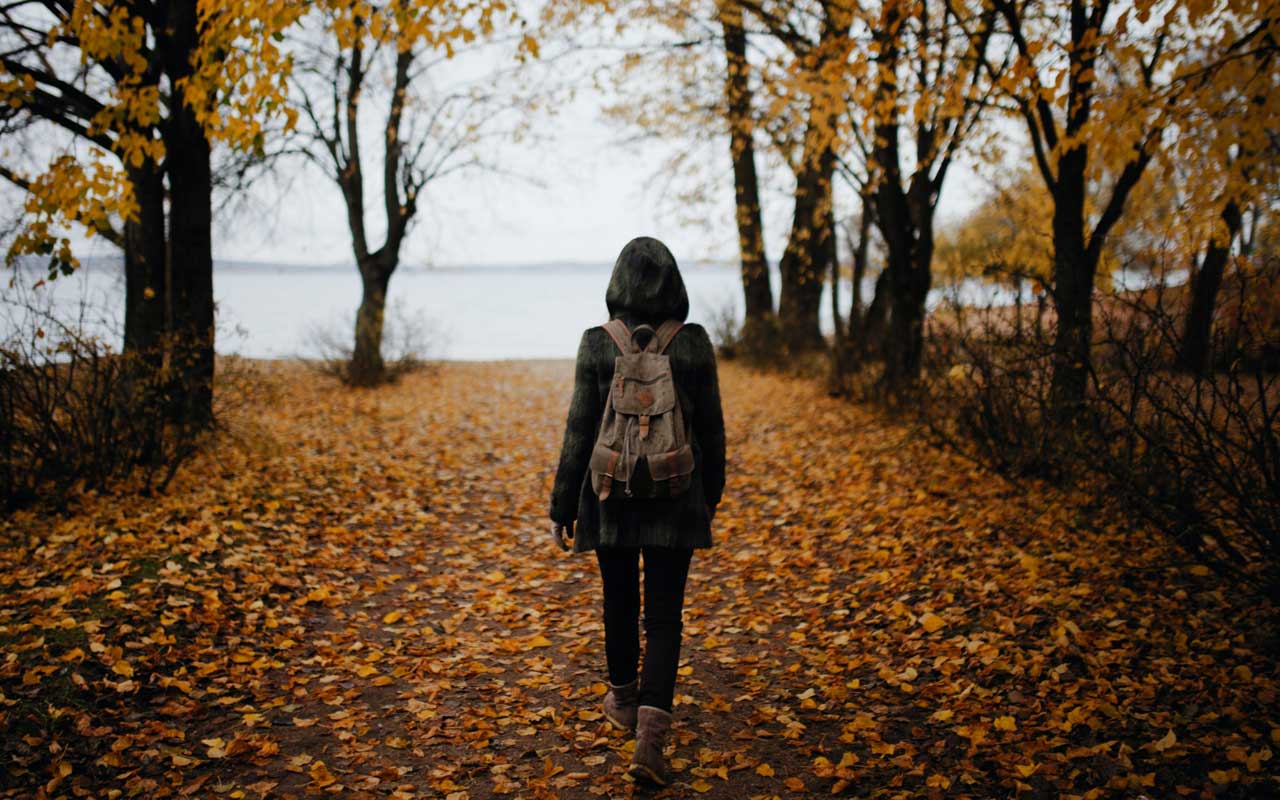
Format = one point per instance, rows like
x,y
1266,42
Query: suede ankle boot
x,y
648,762
620,705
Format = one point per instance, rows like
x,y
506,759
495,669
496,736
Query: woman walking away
x,y
641,473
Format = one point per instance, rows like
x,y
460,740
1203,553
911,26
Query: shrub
x,y
724,324
1197,456
75,414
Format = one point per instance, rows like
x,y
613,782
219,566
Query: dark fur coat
x,y
645,287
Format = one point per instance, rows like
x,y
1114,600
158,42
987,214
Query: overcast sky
x,y
593,193
573,192
576,190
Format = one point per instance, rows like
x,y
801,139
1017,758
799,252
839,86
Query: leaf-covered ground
x,y
356,594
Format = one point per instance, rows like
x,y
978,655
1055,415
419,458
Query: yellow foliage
x,y
237,86
1010,233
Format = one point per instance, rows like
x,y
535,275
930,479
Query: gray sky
x,y
596,194
573,192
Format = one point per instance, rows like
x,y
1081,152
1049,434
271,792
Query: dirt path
x,y
361,598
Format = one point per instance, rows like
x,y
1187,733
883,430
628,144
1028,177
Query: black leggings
x,y
665,571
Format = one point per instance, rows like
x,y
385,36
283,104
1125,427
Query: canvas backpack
x,y
642,420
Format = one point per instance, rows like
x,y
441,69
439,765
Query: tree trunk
x,y
840,331
860,266
909,281
803,267
803,263
1193,354
1074,268
906,225
190,225
367,367
838,327
757,291
1017,308
146,287
875,323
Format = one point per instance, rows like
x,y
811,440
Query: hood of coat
x,y
646,285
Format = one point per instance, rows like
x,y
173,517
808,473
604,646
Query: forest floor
x,y
356,593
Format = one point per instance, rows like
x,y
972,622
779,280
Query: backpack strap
x,y
618,332
666,332
651,346
621,335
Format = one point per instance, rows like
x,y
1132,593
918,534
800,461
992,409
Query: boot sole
x,y
641,772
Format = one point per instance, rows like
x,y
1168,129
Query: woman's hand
x,y
563,534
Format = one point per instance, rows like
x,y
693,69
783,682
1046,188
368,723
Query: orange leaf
x,y
320,774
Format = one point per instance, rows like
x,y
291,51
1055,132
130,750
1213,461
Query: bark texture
x,y
190,257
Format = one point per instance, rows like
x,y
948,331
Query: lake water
x,y
469,313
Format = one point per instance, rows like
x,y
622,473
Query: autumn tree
x,y
144,91
923,88
362,55
1096,86
1005,240
740,118
686,77
806,89
1226,153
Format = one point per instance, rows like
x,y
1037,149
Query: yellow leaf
x,y
538,641
931,621
1224,776
1254,762
700,786
122,667
765,770
321,775
392,617
1006,723
1169,740
943,714
1027,770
